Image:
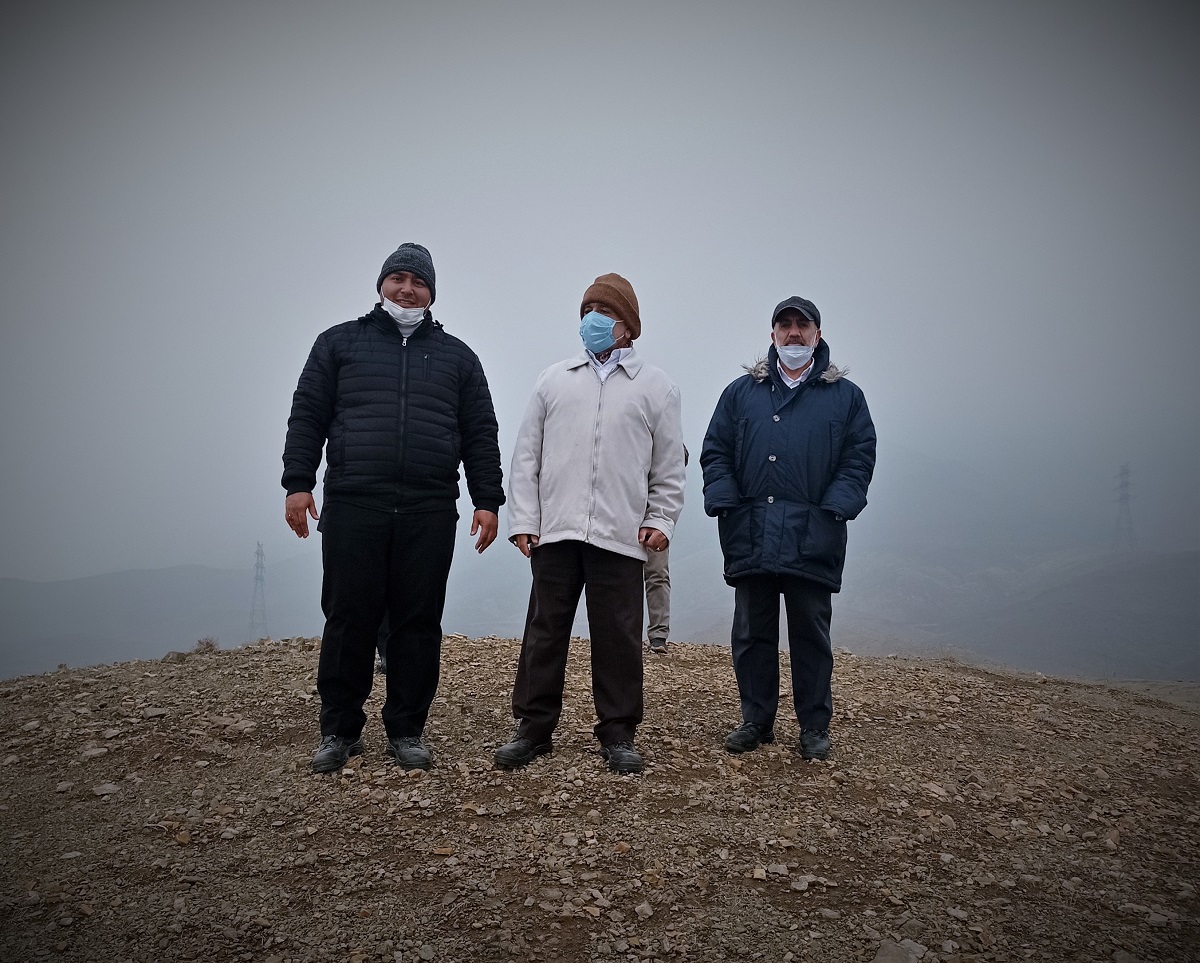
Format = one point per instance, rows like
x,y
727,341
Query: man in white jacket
x,y
596,483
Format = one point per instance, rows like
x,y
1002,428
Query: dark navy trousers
x,y
755,642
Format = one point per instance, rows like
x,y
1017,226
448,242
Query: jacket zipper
x,y
401,429
595,462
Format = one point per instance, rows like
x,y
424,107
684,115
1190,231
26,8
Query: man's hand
x,y
486,524
296,510
525,543
652,540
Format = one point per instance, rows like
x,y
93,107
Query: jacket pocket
x,y
837,436
825,537
335,450
735,528
739,442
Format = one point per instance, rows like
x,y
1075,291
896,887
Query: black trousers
x,y
613,582
377,562
755,642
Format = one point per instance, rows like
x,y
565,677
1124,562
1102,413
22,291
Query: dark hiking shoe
x,y
409,752
334,751
623,757
814,743
747,737
520,752
658,646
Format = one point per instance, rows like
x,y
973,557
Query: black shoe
x,y
814,743
520,752
748,736
623,757
334,751
658,646
409,752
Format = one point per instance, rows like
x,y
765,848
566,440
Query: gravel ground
x,y
165,811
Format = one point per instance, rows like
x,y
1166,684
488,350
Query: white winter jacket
x,y
596,461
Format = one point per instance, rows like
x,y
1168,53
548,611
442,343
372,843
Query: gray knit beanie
x,y
414,259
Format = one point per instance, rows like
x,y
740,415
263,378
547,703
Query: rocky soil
x,y
165,811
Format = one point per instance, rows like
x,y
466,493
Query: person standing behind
x,y
397,403
658,594
596,484
787,459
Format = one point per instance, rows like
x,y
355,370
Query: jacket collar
x,y
819,363
381,319
631,362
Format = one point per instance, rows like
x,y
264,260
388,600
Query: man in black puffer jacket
x,y
397,404
787,459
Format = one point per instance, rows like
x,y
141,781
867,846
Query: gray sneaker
x,y
333,753
658,646
409,752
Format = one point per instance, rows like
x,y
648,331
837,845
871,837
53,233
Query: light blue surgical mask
x,y
596,331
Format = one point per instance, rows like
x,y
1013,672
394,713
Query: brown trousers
x,y
562,571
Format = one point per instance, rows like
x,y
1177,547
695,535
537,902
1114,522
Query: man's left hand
x,y
486,524
652,540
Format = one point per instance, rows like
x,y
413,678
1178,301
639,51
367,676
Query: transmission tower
x,y
258,607
1123,537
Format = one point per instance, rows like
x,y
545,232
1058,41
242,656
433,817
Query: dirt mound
x,y
165,811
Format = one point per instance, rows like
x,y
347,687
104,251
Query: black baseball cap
x,y
803,305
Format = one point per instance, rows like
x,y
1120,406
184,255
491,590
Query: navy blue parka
x,y
785,468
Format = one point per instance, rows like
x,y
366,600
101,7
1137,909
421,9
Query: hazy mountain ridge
x,y
1091,615
941,562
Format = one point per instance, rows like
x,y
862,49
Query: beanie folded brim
x,y
616,294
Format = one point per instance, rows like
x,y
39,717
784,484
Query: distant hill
x,y
1134,618
130,615
1087,615
939,563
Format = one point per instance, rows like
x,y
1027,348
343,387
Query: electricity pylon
x,y
1123,537
258,607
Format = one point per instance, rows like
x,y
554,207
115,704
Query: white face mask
x,y
406,319
795,356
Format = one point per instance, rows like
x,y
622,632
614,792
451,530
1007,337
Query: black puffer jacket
x,y
396,416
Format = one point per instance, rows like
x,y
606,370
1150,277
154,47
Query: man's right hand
x,y
525,543
296,510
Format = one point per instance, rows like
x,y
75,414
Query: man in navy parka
x,y
787,459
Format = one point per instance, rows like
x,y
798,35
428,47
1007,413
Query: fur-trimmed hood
x,y
761,369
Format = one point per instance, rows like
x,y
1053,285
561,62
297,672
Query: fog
x,y
993,205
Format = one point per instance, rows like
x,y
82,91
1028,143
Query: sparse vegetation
x,y
206,645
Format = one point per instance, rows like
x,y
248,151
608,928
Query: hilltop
x,y
165,811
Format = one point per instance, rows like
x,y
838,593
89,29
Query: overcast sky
x,y
994,206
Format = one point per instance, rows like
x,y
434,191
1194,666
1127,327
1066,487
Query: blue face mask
x,y
596,331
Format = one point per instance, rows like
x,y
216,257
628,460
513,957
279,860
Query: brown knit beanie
x,y
616,294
